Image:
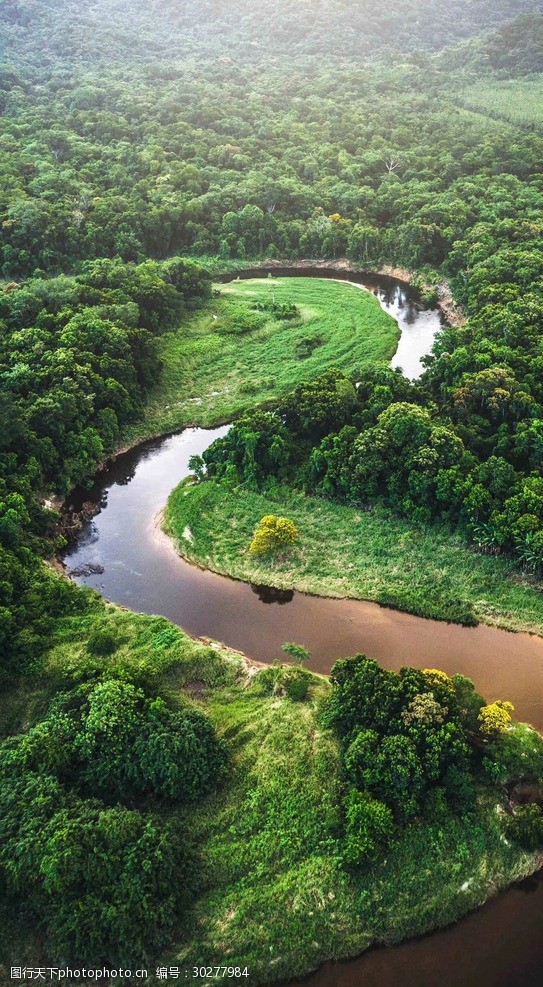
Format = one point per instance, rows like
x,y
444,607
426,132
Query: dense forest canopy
x,y
376,158
131,133
142,30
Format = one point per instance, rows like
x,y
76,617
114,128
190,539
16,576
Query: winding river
x,y
123,553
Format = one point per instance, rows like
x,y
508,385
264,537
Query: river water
x,y
123,553
418,324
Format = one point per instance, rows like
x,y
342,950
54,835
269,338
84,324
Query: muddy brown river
x,y
123,554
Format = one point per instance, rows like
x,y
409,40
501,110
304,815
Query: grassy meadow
x,y
518,101
230,356
371,555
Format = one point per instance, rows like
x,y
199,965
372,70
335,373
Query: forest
x,y
146,148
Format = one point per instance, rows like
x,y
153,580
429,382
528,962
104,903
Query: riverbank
x,y
344,552
435,287
232,356
274,897
215,365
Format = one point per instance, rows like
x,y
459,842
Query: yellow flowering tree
x,y
273,534
436,677
495,718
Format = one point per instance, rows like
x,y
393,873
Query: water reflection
x,y
269,594
418,324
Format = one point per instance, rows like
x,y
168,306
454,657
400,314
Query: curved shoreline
x,y
151,468
70,522
278,584
450,309
73,518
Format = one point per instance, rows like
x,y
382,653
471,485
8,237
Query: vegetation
x,y
371,442
370,555
286,857
135,140
516,101
296,651
234,354
311,900
273,535
97,771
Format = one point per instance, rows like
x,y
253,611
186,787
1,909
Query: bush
x,y
495,718
515,754
401,734
132,746
526,827
296,684
108,881
273,534
102,642
283,680
243,322
368,828
113,742
114,880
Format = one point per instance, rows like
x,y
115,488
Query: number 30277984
x,y
208,972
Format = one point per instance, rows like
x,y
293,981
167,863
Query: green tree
x,y
296,651
369,826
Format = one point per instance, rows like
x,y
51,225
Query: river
x,y
123,553
418,324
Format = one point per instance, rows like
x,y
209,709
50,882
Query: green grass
x,y
273,896
214,367
279,901
519,101
371,555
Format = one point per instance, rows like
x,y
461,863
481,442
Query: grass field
x,y
273,896
371,555
518,101
229,357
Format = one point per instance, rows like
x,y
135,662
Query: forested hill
x,y
121,31
116,141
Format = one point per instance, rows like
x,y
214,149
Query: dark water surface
x,y
501,945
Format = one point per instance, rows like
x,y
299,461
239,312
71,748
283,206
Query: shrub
x,y
495,718
243,322
297,685
273,534
102,642
283,680
368,828
130,745
114,742
518,753
106,880
526,827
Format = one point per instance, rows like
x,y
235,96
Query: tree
x,y
100,876
273,534
495,718
369,825
131,745
296,651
